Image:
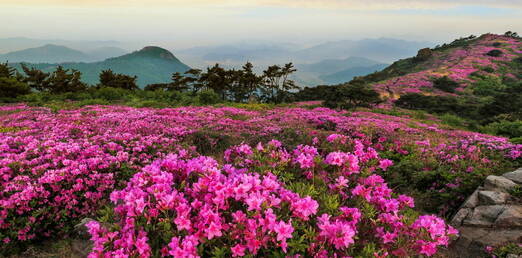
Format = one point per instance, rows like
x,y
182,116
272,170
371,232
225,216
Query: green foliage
x,y
315,93
110,79
6,71
494,53
516,140
516,191
59,81
453,120
208,97
488,69
399,68
504,251
511,129
464,107
445,84
488,86
109,93
506,103
352,96
11,88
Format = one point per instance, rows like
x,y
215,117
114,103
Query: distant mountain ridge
x,y
150,64
311,62
329,66
335,71
51,53
20,43
350,73
44,54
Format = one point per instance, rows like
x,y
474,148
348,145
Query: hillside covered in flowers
x,y
224,181
466,61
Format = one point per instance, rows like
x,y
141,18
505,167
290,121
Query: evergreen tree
x,y
11,88
193,79
36,79
10,85
110,79
6,71
277,84
65,80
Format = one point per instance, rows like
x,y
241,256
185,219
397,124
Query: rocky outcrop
x,y
491,216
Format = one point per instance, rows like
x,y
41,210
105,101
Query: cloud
x,y
345,4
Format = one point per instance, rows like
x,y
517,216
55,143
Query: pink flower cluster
x,y
201,202
59,167
198,204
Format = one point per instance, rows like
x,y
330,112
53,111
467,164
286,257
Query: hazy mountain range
x,y
59,54
20,43
150,65
326,63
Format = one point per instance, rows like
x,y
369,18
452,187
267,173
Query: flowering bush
x,y
57,167
187,207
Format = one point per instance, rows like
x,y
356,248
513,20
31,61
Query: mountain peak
x,y
156,52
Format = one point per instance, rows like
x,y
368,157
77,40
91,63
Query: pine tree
x,y
36,79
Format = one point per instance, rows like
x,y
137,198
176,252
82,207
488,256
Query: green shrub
x,y
11,88
109,93
88,102
445,84
352,96
511,129
494,53
453,120
208,97
488,69
488,86
504,251
516,140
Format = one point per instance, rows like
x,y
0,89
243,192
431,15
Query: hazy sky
x,y
201,22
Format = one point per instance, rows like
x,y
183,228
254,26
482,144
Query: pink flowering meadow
x,y
222,181
457,63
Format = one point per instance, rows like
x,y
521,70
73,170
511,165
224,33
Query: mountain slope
x,y
464,61
151,65
350,73
102,53
46,54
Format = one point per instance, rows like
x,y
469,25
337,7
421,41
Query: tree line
x,y
273,85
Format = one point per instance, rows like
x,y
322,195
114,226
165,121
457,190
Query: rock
x,y
459,217
484,216
472,201
499,183
492,198
513,256
81,229
473,240
515,176
81,248
511,217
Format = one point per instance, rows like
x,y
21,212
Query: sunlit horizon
x,y
184,24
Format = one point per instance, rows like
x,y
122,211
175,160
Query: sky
x,y
187,23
